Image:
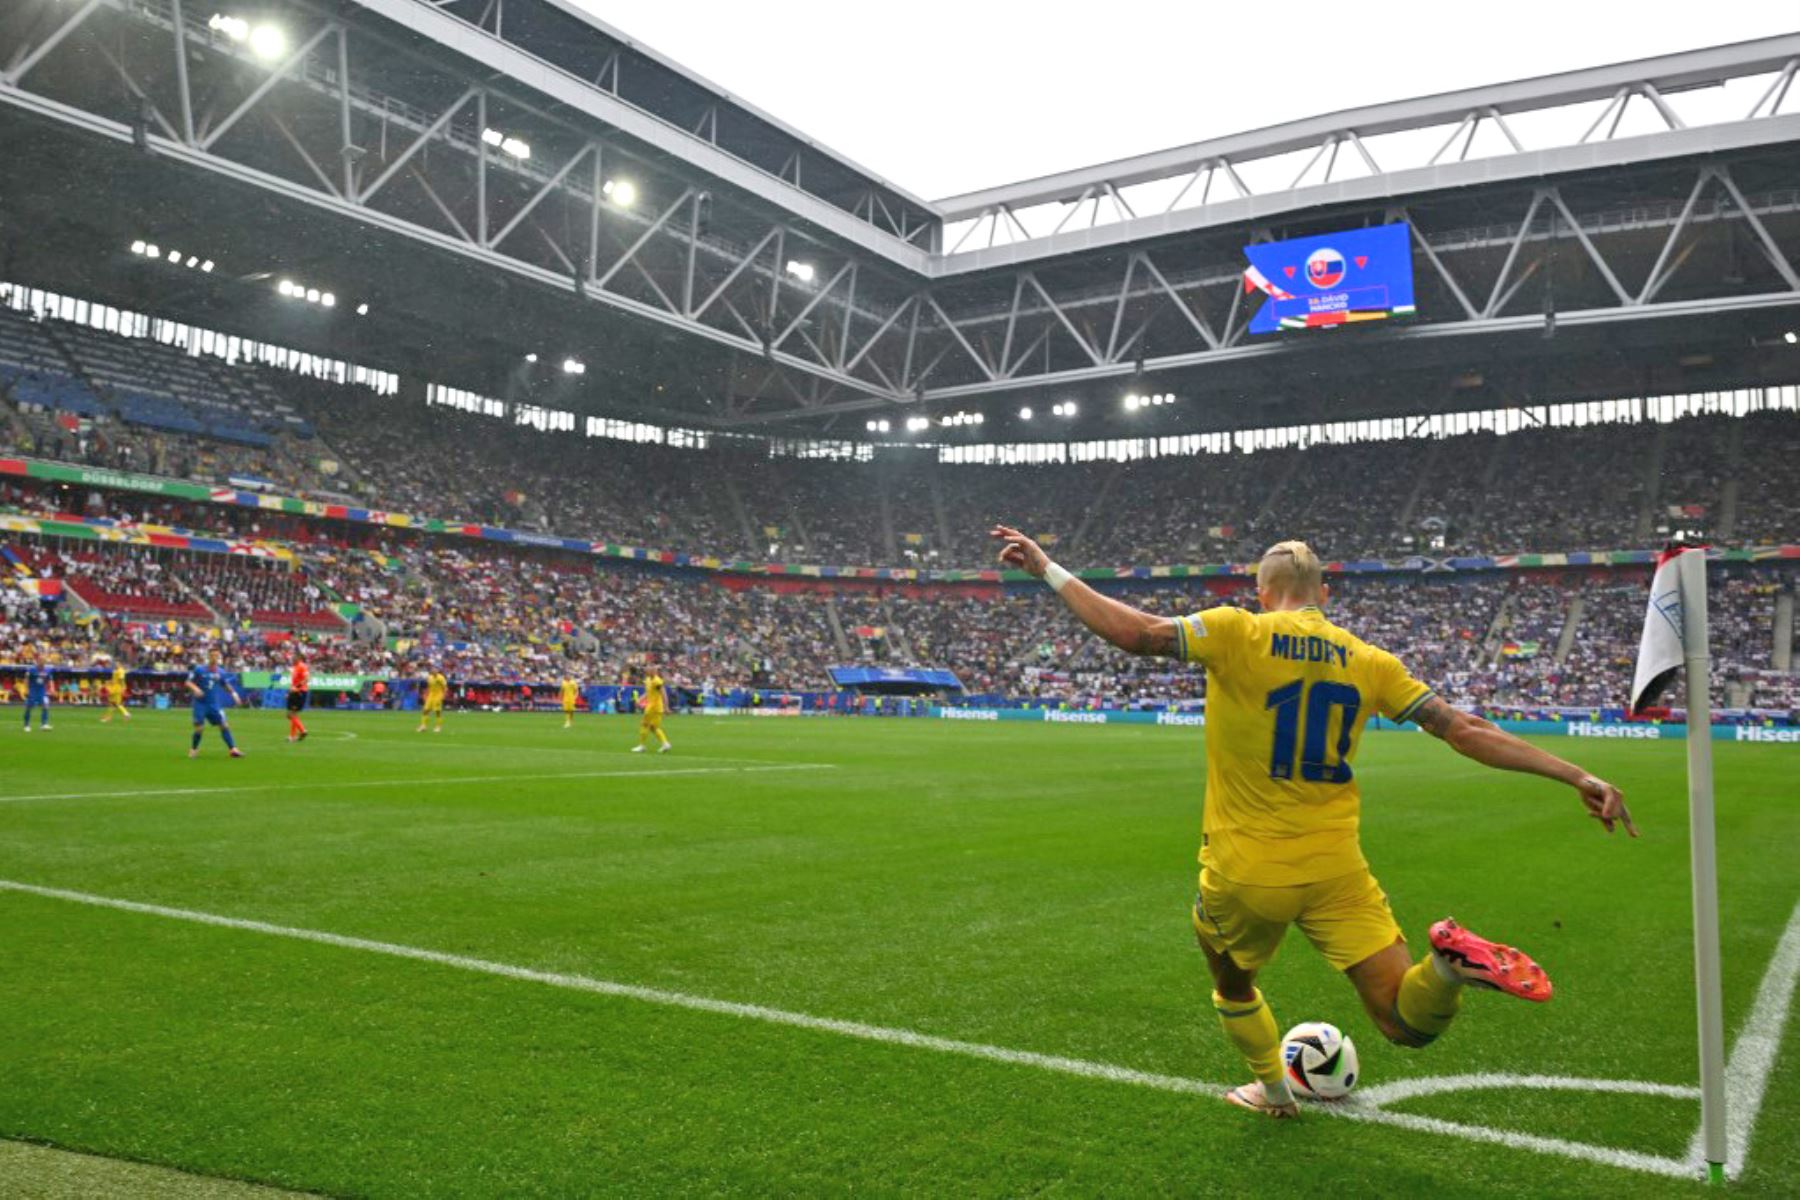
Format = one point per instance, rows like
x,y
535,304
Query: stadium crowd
x,y
1497,640
491,611
1530,491
1736,478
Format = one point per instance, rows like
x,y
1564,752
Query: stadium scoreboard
x,y
1332,279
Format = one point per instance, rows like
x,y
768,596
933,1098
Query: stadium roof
x,y
505,176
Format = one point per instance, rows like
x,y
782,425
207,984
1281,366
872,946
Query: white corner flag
x,y
1659,650
1675,636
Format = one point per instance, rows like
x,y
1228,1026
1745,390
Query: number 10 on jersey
x,y
1318,703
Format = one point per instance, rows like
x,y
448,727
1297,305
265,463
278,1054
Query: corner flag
x,y
1675,636
1659,650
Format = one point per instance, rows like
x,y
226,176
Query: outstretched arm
x,y
1128,628
1480,739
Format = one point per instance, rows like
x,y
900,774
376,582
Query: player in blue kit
x,y
207,682
37,694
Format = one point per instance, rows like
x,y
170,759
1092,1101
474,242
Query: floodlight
x,y
1025,414
574,366
312,295
268,42
1790,337
286,287
193,260
328,300
174,256
362,310
622,191
803,271
235,28
492,137
137,247
207,266
150,250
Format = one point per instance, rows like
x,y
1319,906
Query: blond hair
x,y
1291,570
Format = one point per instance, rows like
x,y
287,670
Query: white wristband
x,y
1056,577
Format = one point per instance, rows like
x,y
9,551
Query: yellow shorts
x,y
568,708
650,720
1347,919
434,706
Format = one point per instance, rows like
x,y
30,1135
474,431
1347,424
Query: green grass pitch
x,y
1015,886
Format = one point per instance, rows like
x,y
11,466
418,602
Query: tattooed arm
x,y
1480,739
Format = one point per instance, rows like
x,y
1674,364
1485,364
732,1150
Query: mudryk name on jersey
x,y
1307,648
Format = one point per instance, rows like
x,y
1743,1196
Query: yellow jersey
x,y
118,680
570,690
1287,696
653,695
436,685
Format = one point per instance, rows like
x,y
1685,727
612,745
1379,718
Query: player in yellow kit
x,y
571,692
650,717
1287,696
436,689
115,694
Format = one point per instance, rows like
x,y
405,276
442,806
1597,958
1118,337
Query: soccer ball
x,y
1321,1061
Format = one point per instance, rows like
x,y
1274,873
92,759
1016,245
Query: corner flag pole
x,y
1704,855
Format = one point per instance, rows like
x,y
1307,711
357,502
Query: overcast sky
x,y
942,97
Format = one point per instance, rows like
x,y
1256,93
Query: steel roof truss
x,y
27,59
276,76
1600,263
554,182
1495,300
1777,259
986,368
431,194
418,143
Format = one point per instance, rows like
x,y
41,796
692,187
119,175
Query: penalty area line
x,y
1365,1107
441,781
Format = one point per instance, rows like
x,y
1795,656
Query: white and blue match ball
x,y
1321,1061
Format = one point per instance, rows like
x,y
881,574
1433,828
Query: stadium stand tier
x,y
1500,641
381,600
74,394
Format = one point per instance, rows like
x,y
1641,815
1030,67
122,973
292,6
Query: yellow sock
x,y
660,734
1251,1027
1427,1001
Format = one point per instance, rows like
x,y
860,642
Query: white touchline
x,y
1756,1051
252,786
1758,1043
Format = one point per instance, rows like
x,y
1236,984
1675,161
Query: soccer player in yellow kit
x,y
651,715
115,694
1287,696
571,691
436,688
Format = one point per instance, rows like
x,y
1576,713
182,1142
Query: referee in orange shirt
x,y
299,684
